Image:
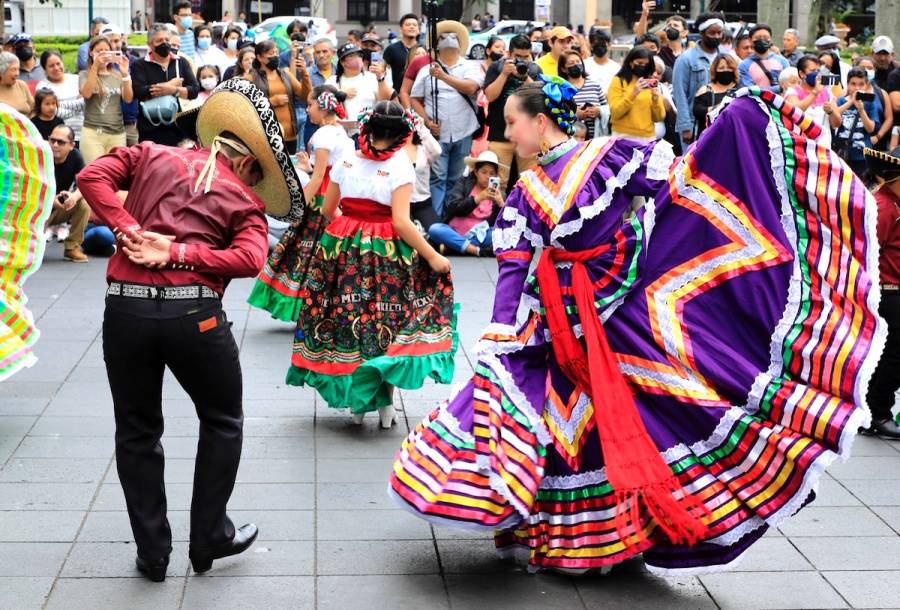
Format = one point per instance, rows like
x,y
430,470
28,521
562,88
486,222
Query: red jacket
x,y
888,235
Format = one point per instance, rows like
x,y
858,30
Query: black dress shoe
x,y
154,569
884,428
201,559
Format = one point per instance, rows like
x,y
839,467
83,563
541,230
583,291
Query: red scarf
x,y
637,473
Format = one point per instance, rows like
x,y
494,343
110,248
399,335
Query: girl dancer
x,y
279,285
668,381
378,310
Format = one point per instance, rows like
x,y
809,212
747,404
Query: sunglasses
x,y
58,141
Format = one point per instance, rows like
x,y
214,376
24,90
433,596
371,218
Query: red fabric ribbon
x,y
640,478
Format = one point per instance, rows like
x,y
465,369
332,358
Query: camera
x,y
862,96
522,67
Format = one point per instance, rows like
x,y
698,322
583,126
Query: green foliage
x,y
69,52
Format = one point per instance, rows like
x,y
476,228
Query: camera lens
x,y
521,67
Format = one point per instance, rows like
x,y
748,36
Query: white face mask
x,y
209,83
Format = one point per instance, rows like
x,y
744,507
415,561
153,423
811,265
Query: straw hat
x,y
882,164
454,27
238,106
486,156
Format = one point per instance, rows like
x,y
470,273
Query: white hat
x,y
487,156
882,44
827,41
110,29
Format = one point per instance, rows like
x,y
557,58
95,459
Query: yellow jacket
x,y
634,116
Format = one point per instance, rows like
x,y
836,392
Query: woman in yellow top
x,y
635,103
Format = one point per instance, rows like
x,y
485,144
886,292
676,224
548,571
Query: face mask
x,y
186,22
811,79
761,45
711,43
354,63
672,34
496,56
870,74
642,71
725,78
203,43
575,71
209,83
232,44
24,53
599,50
272,63
162,49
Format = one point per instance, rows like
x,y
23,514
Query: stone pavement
x,y
329,535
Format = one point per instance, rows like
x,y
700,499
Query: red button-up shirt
x,y
888,229
218,235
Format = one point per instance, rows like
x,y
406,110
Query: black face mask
x,y
163,49
672,34
642,71
496,56
725,78
711,43
761,45
575,71
272,63
24,53
599,50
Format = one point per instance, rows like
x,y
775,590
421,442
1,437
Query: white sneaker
x,y
62,232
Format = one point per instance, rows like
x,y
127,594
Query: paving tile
x,y
28,389
116,560
368,470
268,558
383,525
347,557
46,496
53,470
867,589
890,515
867,467
39,526
630,591
181,470
870,446
832,493
98,426
835,521
22,406
404,592
16,425
473,557
354,496
65,447
17,592
8,445
763,590
270,592
884,492
131,593
272,496
854,553
31,558
515,589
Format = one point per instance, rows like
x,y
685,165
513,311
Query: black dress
x,y
702,104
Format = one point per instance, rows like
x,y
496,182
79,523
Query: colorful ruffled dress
x,y
375,315
27,187
739,305
279,287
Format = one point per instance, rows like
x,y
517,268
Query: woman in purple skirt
x,y
678,348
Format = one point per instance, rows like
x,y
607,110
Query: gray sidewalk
x,y
316,486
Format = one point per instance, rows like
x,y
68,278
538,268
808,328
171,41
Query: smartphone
x,y
865,97
494,183
537,48
376,57
651,83
586,105
829,80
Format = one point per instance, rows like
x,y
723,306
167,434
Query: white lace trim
x,y
508,238
660,161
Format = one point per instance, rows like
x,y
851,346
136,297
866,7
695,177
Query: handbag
x,y
163,109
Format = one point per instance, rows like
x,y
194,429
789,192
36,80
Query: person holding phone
x,y
103,90
811,95
282,88
363,87
635,102
854,122
471,209
593,108
871,92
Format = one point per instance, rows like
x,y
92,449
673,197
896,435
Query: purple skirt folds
x,y
741,303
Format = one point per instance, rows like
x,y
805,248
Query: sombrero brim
x,y
471,161
238,106
462,34
881,163
186,121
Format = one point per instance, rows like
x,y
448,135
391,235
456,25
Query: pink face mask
x,y
354,63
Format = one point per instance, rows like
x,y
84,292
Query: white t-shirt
x,y
376,180
332,138
71,104
602,74
366,85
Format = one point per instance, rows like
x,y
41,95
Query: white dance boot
x,y
357,418
387,417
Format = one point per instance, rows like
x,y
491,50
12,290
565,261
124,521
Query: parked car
x,y
13,17
505,29
319,28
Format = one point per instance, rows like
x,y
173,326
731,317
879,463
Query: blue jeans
x,y
98,240
444,234
447,169
300,113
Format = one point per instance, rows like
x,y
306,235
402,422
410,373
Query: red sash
x,y
365,209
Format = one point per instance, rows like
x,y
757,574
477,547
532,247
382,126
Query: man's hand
x,y
167,88
647,6
123,64
436,71
435,127
300,63
377,68
148,249
509,67
687,135
69,201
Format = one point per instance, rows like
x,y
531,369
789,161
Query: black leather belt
x,y
165,293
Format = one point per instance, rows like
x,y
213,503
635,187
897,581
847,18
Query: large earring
x,y
545,146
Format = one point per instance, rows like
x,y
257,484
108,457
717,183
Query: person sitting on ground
x,y
68,205
472,208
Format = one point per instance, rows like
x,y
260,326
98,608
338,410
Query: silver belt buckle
x,y
153,292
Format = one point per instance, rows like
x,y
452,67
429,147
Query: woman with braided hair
x,y
377,310
279,287
669,380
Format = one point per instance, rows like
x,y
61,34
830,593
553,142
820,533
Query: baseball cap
x,y
17,38
882,44
827,41
372,37
111,29
561,33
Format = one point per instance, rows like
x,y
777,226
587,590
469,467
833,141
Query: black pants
x,y
886,380
193,338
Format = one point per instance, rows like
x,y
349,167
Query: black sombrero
x,y
240,107
884,165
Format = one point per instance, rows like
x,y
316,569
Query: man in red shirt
x,y
886,380
192,220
